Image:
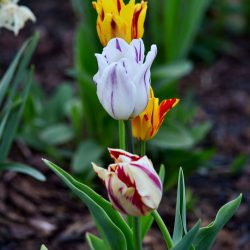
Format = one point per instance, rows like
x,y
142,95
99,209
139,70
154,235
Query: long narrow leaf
x,y
207,235
180,227
96,243
106,218
24,169
13,121
187,241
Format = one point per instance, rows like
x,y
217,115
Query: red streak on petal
x,y
113,198
135,23
136,198
119,5
146,117
165,106
152,176
115,155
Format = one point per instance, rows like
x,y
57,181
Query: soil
x,y
34,213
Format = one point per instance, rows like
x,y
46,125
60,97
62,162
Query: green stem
x,y
143,147
137,233
163,229
122,144
130,139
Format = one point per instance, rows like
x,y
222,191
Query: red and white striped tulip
x,y
133,186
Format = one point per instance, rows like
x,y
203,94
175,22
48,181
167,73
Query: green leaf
x,y
43,247
87,152
111,225
55,108
24,169
147,221
180,226
208,234
186,242
200,131
173,71
187,16
173,137
57,134
12,109
23,56
96,243
14,118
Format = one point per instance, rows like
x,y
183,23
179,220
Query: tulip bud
x,y
123,79
133,186
13,16
146,125
115,19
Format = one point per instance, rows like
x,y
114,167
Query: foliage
x,y
14,89
115,232
225,19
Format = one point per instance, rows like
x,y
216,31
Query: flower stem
x,y
122,144
130,139
163,229
137,233
143,147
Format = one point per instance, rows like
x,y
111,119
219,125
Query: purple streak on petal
x,y
105,56
114,81
145,83
136,55
118,45
123,64
152,176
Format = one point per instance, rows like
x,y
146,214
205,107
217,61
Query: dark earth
x,y
33,213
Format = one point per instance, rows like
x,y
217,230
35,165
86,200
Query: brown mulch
x,y
33,213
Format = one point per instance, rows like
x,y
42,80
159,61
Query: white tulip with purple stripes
x,y
123,79
133,186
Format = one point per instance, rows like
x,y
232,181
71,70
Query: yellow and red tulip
x,y
146,125
117,19
133,186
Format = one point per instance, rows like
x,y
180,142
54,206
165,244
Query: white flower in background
x,y
123,79
13,16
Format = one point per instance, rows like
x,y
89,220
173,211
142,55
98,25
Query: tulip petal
x,y
129,196
142,82
101,172
118,155
147,184
116,49
139,50
116,92
102,64
139,19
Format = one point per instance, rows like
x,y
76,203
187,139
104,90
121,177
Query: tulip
x,y
133,186
115,19
146,125
13,16
123,79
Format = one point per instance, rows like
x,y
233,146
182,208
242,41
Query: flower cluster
x,y
13,16
123,88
